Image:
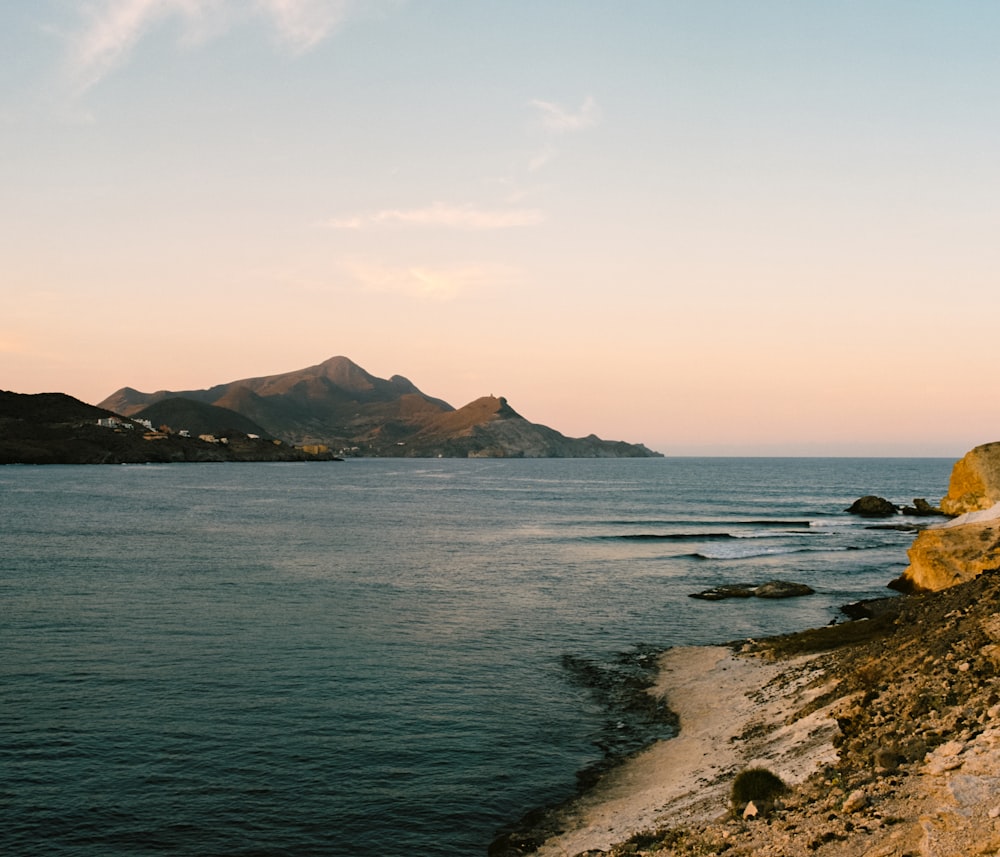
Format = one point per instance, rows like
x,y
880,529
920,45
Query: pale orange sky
x,y
709,227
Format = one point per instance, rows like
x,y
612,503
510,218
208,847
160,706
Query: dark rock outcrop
x,y
724,591
922,509
871,506
782,589
771,589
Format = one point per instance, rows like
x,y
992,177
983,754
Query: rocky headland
x,y
53,428
339,405
877,737
332,410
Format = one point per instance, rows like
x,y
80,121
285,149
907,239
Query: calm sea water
x,y
368,658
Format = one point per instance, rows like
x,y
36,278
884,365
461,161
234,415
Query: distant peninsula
x,y
322,413
53,428
339,406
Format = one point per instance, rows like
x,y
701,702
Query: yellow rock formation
x,y
943,556
975,481
969,545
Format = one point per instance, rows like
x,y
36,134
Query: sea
x,y
379,657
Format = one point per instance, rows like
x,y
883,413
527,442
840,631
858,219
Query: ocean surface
x,y
376,657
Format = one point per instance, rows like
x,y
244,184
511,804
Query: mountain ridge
x,y
339,404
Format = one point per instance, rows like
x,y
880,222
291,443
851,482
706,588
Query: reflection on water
x,y
370,658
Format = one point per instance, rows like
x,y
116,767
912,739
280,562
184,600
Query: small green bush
x,y
758,785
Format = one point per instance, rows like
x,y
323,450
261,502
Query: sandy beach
x,y
726,704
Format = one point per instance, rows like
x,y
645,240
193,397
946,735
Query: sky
x,y
752,227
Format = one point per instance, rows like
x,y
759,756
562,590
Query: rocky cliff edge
x,y
965,547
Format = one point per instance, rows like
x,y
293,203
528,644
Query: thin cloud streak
x,y
541,159
112,33
557,118
115,27
439,214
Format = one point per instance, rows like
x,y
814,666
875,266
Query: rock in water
x,y
871,506
771,589
782,589
921,509
726,590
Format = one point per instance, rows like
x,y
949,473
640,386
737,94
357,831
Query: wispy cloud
x,y
440,214
113,28
304,23
427,282
541,158
557,118
110,35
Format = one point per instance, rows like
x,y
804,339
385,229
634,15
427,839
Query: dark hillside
x,y
53,428
47,408
198,418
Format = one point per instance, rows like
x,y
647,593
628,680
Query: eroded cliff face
x,y
963,548
944,556
975,481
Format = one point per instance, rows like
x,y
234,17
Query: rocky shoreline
x,y
884,732
887,736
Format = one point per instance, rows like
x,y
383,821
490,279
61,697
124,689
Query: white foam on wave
x,y
750,553
768,534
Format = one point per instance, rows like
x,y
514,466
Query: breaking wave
x,y
718,535
750,552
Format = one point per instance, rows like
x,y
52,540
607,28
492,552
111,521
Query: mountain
x,y
47,408
490,428
53,428
198,418
338,404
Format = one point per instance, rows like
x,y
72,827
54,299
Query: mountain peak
x,y
338,404
491,407
345,373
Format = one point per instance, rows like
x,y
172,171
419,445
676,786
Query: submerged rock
x,y
771,589
726,590
782,589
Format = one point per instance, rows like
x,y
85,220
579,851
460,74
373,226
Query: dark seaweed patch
x,y
634,718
